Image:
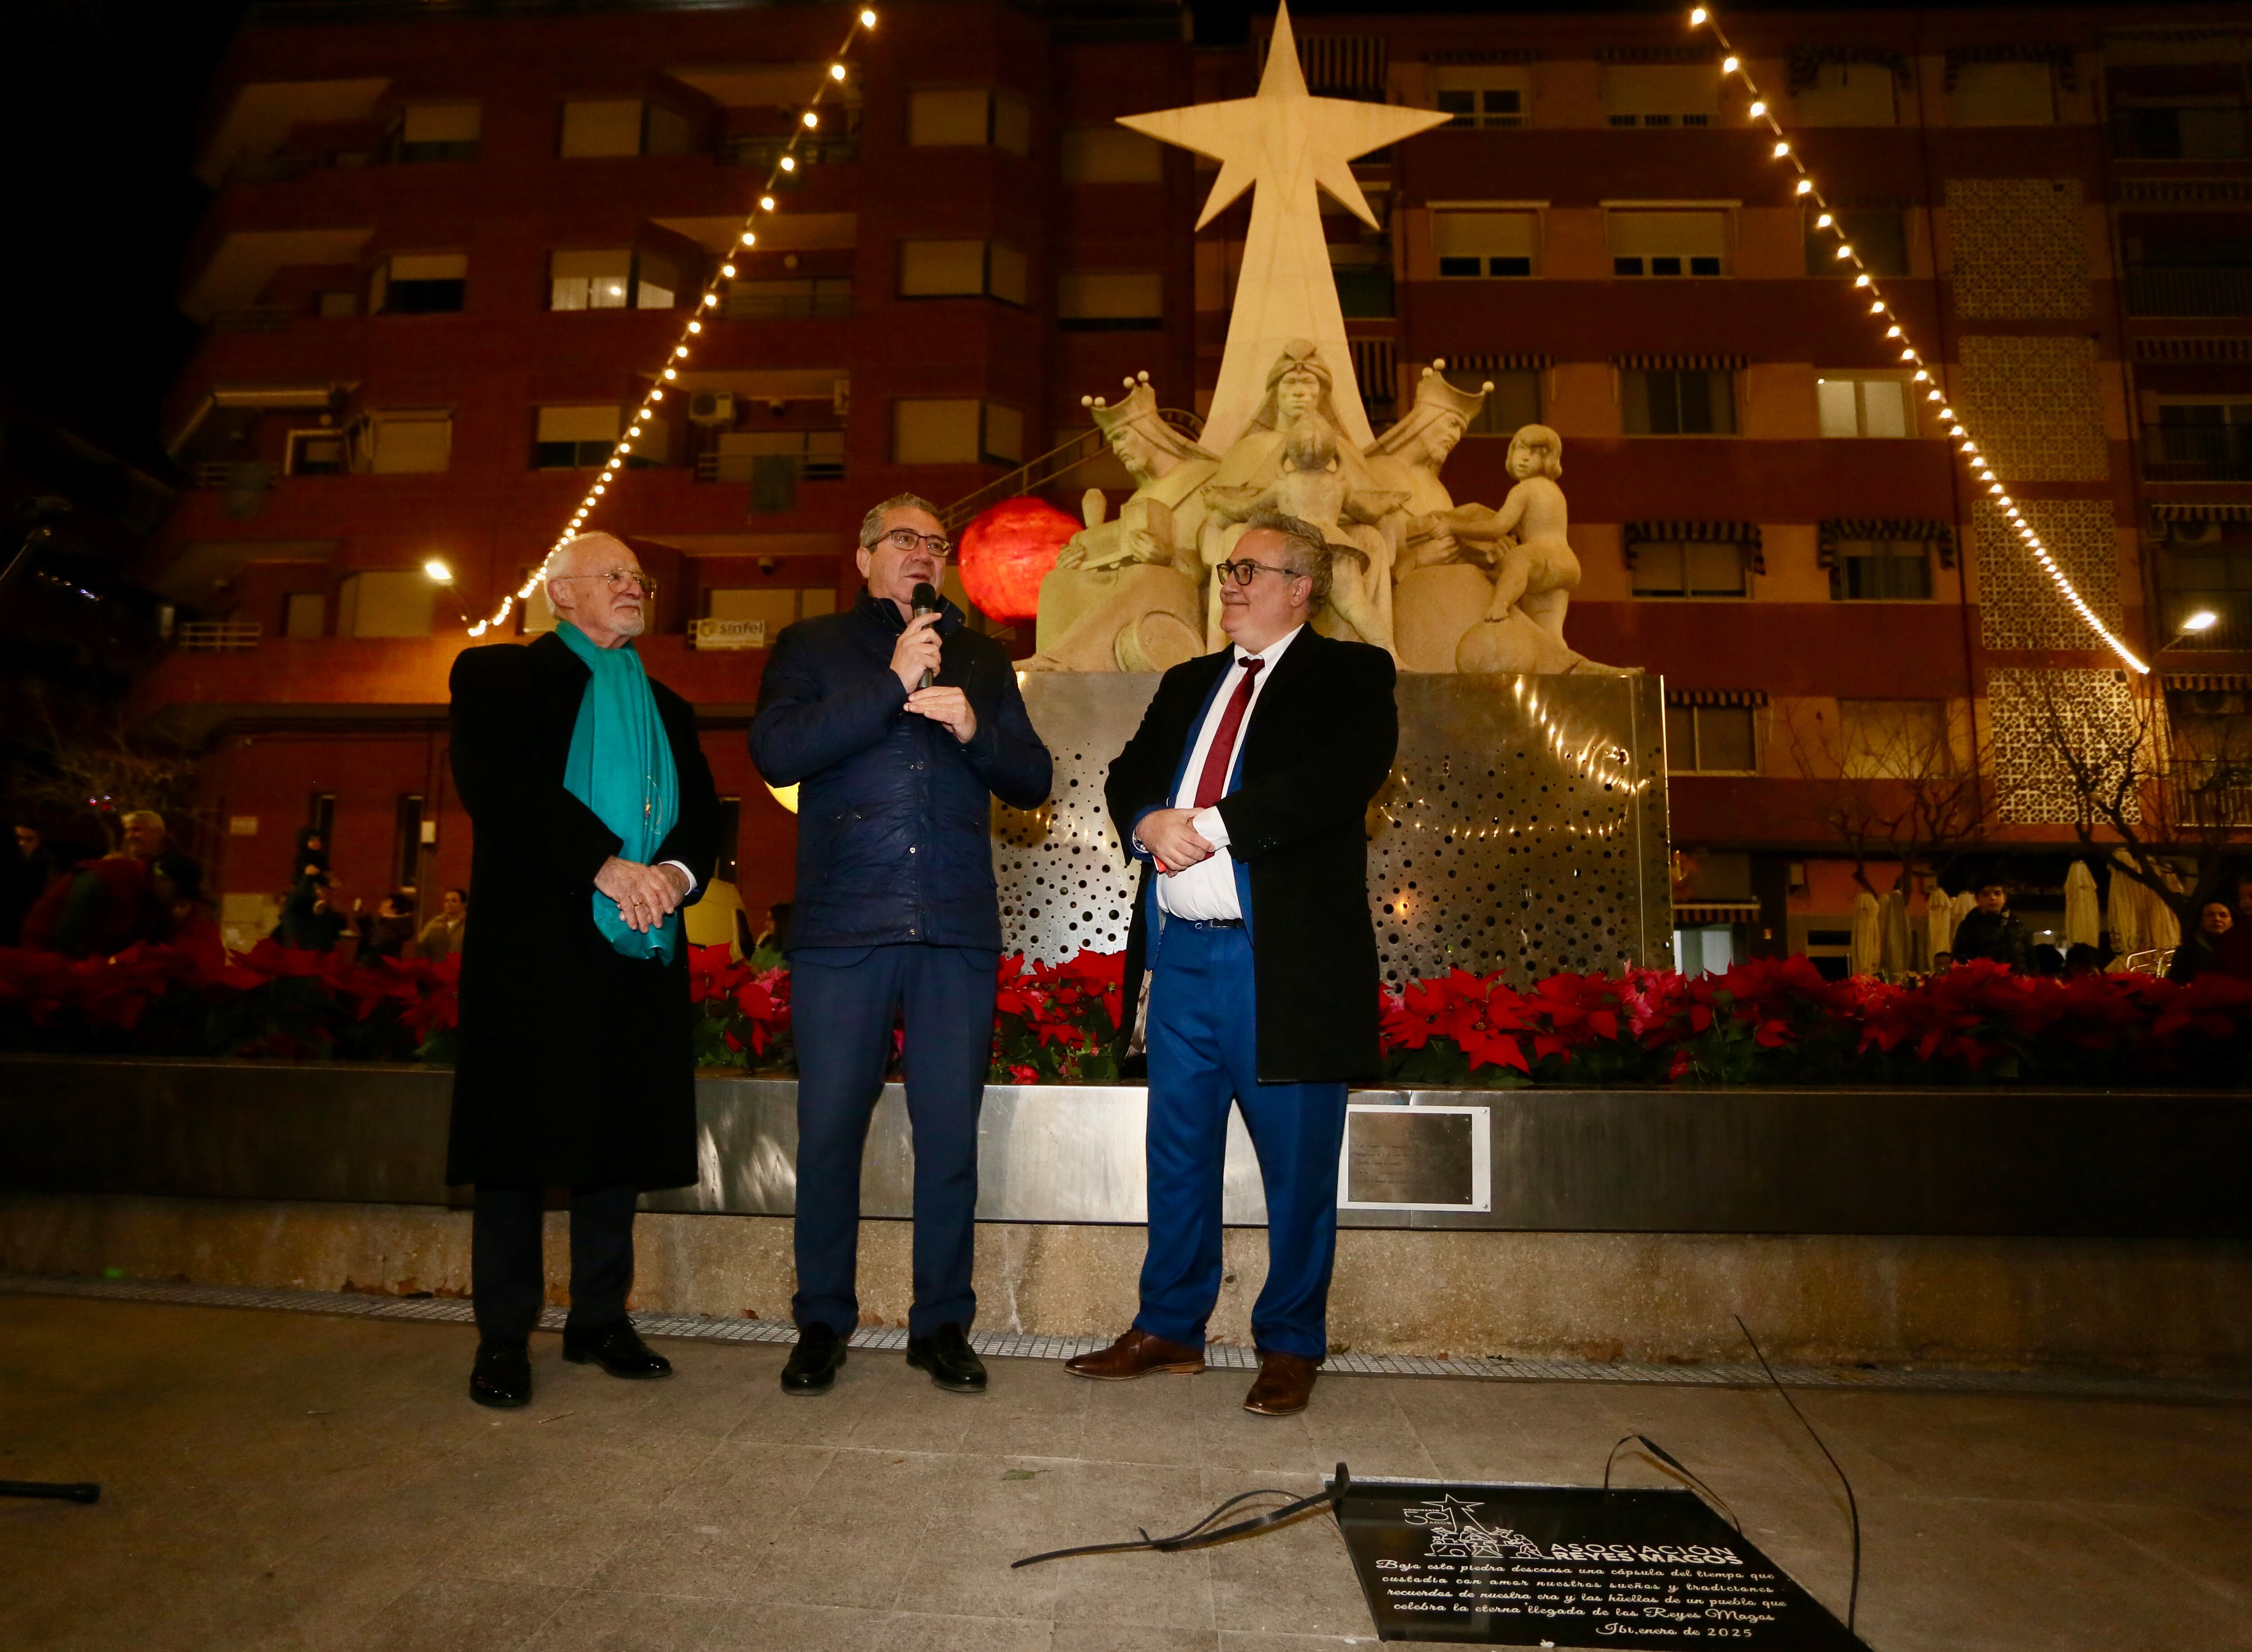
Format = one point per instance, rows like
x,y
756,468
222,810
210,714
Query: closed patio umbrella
x,y
2123,912
1892,955
2082,923
1862,957
1938,924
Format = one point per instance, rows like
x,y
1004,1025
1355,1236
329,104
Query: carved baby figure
x,y
1534,567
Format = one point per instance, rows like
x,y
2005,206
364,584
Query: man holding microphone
x,y
898,725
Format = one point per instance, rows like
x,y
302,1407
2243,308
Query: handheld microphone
x,y
925,601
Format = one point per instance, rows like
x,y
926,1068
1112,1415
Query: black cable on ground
x,y
1669,1460
1203,1535
54,1491
1853,1509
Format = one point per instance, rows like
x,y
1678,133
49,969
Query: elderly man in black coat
x,y
596,820
1244,793
899,729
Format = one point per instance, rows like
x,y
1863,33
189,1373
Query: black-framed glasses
x,y
618,578
906,540
1245,573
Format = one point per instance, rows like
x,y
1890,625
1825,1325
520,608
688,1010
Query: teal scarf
x,y
620,766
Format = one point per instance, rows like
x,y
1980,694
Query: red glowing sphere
x,y
1008,550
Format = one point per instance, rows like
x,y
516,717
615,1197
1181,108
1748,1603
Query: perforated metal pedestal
x,y
1523,830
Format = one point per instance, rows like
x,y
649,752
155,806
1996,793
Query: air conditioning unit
x,y
712,407
2196,533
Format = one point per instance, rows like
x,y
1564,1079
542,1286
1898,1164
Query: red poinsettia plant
x,y
1770,1022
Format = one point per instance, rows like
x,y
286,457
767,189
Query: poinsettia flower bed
x,y
1772,1023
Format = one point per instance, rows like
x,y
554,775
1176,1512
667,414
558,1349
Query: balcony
x,y
825,299
2210,793
2189,289
2197,453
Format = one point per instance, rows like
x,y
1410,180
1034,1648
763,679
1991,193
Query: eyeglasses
x,y
905,541
1245,573
618,578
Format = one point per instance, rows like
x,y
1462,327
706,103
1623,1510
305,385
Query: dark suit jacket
x,y
1320,743
575,1067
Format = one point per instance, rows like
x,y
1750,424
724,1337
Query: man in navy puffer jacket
x,y
896,913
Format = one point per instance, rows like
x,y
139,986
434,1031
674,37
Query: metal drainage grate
x,y
1220,1356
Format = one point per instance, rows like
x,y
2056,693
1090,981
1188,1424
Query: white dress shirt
x,y
1206,892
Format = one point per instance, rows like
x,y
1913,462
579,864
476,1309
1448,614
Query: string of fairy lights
x,y
786,162
1808,190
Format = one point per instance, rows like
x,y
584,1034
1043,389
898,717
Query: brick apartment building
x,y
438,233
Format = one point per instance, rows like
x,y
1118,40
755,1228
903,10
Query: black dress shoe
x,y
813,1363
946,1354
501,1376
617,1348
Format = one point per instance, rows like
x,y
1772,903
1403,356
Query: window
x,y
589,280
317,452
1877,235
1881,571
773,462
1484,96
1711,739
1864,406
969,116
304,614
1513,403
1893,740
1676,242
2199,441
574,438
1661,93
1691,568
2198,130
656,280
1107,300
1111,155
403,443
957,431
1848,94
1481,243
385,603
435,132
1686,401
962,269
418,284
2004,95
2206,573
601,125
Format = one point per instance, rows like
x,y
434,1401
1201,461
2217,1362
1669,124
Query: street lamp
x,y
439,573
2189,626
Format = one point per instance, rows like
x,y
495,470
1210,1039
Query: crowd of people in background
x,y
2220,942
88,884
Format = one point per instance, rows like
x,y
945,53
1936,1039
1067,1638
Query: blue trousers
x,y
842,1003
1203,1044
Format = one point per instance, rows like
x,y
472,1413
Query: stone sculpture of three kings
x,y
1440,586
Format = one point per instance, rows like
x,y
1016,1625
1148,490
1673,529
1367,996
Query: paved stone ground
x,y
284,1480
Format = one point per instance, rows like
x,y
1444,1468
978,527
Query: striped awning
x,y
1468,55
1746,534
1653,54
2208,681
1681,363
1690,914
1754,696
1489,361
2059,59
1827,533
2213,510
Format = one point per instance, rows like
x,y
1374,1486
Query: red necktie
x,y
1212,785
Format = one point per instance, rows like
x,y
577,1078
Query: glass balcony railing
x,y
762,153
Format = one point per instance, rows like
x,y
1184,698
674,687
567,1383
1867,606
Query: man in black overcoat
x,y
1244,794
575,1068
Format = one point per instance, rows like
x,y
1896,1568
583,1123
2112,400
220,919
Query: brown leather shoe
x,y
1136,1354
1286,1383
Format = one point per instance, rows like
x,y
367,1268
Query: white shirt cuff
x,y
1208,825
684,872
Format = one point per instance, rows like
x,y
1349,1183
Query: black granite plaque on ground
x,y
1571,1567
